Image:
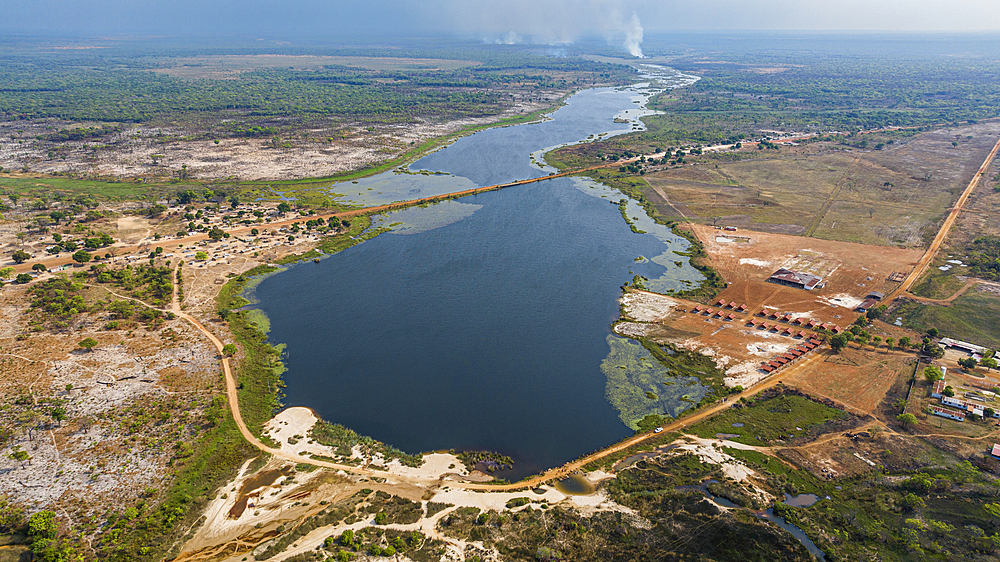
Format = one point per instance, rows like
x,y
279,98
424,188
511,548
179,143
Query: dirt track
x,y
945,227
948,301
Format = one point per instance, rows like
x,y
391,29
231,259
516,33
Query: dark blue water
x,y
486,333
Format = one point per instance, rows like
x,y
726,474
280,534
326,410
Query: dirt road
x,y
948,301
552,474
945,227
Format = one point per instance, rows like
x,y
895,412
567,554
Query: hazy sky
x,y
546,20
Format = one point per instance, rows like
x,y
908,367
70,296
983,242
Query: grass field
x,y
103,190
979,218
769,419
972,318
894,196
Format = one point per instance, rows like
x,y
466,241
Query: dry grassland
x,y
894,196
217,67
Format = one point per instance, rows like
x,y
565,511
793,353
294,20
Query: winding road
x,y
551,474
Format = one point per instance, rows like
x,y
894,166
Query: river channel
x,y
481,323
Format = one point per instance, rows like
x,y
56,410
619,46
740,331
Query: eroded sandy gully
x,y
295,496
292,498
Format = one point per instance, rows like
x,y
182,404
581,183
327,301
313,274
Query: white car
x,y
657,430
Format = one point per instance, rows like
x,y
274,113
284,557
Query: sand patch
x,y
646,307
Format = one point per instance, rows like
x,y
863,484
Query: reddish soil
x,y
850,271
858,379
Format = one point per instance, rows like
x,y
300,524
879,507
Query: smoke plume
x,y
633,36
548,22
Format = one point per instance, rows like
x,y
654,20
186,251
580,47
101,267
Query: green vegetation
x,y
772,416
57,302
209,459
683,524
971,317
343,440
633,370
492,461
874,87
713,283
91,88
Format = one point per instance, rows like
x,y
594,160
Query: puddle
x,y
795,531
738,424
726,435
261,480
768,515
575,485
630,460
801,500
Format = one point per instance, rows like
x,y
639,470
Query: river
x,y
480,323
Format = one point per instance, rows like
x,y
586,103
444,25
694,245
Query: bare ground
x,y
320,149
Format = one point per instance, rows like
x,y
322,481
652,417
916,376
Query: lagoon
x,y
478,324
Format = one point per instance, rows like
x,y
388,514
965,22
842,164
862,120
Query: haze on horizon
x,y
621,22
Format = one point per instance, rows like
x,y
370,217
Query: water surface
x,y
480,323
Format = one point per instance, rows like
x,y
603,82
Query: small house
x,y
948,413
938,388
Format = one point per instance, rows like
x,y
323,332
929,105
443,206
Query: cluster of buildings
x,y
957,408
792,354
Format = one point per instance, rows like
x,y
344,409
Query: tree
x,y
284,207
20,456
904,342
216,234
229,349
6,272
889,342
948,391
907,420
876,313
933,332
932,350
989,363
39,267
58,413
838,342
42,525
82,256
932,374
201,256
22,278
912,501
187,197
968,363
57,216
88,344
20,256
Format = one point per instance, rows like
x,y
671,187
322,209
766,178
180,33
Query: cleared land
x,y
893,196
857,378
849,271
